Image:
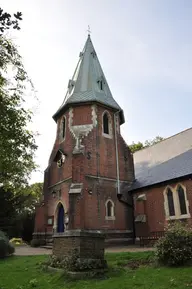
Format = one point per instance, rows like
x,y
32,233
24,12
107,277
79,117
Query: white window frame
x,y
178,215
112,217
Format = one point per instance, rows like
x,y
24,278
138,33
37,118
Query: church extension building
x,y
162,190
93,182
90,167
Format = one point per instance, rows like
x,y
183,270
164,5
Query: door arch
x,y
60,218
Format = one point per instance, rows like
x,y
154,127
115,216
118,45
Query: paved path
x,y
29,251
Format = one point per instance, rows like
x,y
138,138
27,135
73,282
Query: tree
x,y
138,146
17,142
17,210
149,143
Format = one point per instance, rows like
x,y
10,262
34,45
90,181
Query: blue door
x,y
60,219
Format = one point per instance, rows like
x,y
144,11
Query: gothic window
x,y
182,202
176,204
109,206
109,209
105,123
170,202
63,128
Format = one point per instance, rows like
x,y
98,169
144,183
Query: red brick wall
x,y
99,160
153,207
39,218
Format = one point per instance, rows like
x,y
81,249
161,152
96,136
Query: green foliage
x,y
7,21
149,143
138,146
11,249
26,268
37,242
32,194
17,210
17,142
6,248
72,262
175,248
33,283
17,241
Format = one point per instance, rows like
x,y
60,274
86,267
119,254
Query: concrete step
x,y
49,247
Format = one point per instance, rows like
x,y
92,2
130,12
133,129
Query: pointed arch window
x,y
170,202
105,123
176,204
182,201
109,206
109,209
63,127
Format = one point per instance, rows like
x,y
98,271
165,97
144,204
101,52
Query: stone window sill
x,y
180,217
107,135
61,140
110,218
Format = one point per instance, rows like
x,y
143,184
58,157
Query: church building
x,y
90,167
94,183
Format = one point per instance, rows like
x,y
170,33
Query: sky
x,y
145,50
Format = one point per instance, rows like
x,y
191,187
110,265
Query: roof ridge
x,y
145,148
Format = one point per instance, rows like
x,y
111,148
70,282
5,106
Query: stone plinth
x,y
90,244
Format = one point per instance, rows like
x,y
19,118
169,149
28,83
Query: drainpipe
x,y
117,156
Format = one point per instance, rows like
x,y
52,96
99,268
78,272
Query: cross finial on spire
x,y
88,30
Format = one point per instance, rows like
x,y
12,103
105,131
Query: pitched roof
x,y
84,85
166,160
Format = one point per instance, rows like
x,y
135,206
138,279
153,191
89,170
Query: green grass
x,y
20,273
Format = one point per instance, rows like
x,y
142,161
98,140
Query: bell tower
x,y
91,167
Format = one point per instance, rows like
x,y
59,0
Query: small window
x,y
109,209
170,202
182,203
63,128
105,123
109,206
50,221
100,83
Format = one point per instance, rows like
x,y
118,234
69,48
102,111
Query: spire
x,y
88,83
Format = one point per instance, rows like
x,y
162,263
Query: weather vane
x,y
88,30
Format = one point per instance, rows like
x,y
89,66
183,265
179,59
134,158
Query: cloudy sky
x,y
145,50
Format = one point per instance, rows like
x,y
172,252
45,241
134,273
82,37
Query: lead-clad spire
x,y
88,83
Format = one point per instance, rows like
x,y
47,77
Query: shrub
x,y
72,262
3,236
6,248
37,242
17,241
175,248
11,249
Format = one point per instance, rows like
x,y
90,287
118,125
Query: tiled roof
x,y
84,85
93,96
169,159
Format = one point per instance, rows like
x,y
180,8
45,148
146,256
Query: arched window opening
x,y
109,209
170,202
63,128
105,123
182,202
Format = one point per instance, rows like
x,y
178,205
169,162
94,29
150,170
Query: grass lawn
x,y
25,272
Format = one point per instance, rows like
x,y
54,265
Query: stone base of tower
x,y
88,245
